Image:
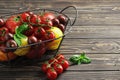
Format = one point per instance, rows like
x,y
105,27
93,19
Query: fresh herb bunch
x,y
80,59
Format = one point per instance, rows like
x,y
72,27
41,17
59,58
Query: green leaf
x,y
80,59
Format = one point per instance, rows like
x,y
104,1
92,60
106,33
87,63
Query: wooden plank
x,y
90,46
67,75
94,31
102,75
104,62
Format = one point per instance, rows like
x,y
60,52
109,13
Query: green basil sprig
x,y
80,59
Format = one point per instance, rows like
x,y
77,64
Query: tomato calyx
x,y
2,32
17,18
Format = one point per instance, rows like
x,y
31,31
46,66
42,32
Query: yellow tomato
x,y
55,44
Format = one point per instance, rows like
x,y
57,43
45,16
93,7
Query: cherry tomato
x,y
3,31
64,63
61,27
50,35
59,57
32,39
30,13
8,36
46,23
39,32
11,43
30,31
2,22
45,66
46,27
62,19
51,74
13,22
46,18
53,60
36,51
25,17
58,68
34,19
55,22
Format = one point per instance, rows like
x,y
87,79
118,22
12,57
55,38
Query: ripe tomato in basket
x,y
3,31
13,22
46,18
36,51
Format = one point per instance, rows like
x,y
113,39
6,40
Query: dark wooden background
x,y
96,32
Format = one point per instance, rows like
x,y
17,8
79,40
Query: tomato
x,y
39,32
32,39
45,66
25,17
2,22
34,19
50,36
46,23
30,31
53,60
8,36
3,56
55,22
36,51
62,19
58,68
51,74
46,27
46,18
30,13
59,57
13,22
64,63
11,44
61,27
3,31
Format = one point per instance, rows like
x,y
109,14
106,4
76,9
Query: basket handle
x,y
69,20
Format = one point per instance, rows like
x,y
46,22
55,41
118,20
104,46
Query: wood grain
x,y
96,32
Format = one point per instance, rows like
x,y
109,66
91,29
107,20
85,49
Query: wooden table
x,y
95,32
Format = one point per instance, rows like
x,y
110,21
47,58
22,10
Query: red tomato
x,y
34,19
2,22
36,51
51,74
64,63
46,27
58,68
53,60
59,57
46,18
45,66
30,31
13,22
3,31
39,32
50,35
25,17
30,13
61,27
62,19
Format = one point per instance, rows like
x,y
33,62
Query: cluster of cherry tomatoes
x,y
39,28
55,66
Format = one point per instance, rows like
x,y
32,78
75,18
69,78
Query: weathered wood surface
x,y
96,32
